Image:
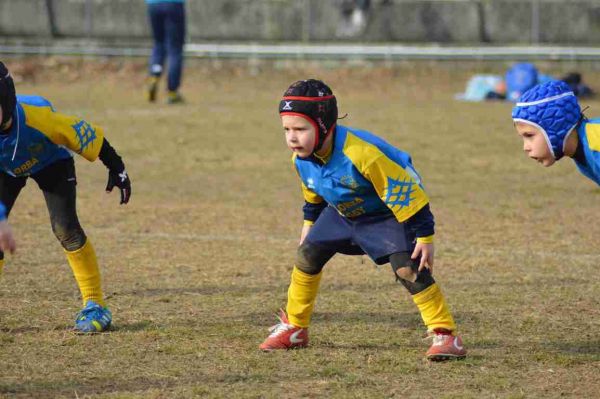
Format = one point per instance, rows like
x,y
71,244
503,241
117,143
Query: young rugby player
x,y
38,142
363,196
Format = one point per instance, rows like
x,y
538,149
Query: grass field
x,y
196,266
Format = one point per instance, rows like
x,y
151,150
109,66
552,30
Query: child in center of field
x,y
38,142
550,122
362,196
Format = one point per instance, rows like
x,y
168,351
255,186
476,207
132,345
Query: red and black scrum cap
x,y
313,100
8,97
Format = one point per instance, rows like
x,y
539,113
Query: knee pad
x,y
406,272
71,237
311,258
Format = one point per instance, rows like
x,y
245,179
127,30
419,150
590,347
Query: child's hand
x,y
305,230
120,180
426,251
7,240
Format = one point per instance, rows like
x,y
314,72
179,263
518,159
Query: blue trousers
x,y
168,30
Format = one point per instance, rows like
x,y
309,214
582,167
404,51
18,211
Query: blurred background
x,y
121,27
196,265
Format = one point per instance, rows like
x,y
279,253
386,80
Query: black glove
x,y
122,181
117,175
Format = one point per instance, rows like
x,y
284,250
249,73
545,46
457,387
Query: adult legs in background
x,y
175,28
157,19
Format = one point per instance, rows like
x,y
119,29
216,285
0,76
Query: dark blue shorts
x,y
378,236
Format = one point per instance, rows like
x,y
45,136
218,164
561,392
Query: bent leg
x,y
425,292
305,281
58,184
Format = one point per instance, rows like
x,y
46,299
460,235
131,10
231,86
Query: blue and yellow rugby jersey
x,y
363,175
587,157
39,136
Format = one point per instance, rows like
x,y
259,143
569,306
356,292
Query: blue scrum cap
x,y
553,108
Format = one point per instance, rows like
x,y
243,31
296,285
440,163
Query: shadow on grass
x,y
34,329
133,327
591,347
242,290
238,290
123,388
399,319
20,330
50,389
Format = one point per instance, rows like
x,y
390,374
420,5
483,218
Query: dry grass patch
x,y
198,263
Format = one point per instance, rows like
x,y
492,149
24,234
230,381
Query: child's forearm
x,y
110,158
312,211
423,223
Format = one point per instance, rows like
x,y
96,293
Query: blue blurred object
x,y
479,88
520,78
575,82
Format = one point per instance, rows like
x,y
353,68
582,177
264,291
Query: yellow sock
x,y
1,267
85,269
301,297
433,308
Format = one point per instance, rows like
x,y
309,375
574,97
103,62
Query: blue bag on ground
x,y
520,78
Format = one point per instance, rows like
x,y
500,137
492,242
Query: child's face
x,y
299,135
534,143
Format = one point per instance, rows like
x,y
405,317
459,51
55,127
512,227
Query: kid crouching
x,y
363,196
37,142
550,122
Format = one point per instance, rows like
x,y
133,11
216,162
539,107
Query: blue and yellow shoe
x,y
93,318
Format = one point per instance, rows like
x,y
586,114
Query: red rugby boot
x,y
285,335
445,346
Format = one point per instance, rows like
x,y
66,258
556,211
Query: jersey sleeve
x,y
422,223
313,203
72,132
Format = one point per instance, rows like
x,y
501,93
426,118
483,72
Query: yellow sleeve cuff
x,y
425,240
308,223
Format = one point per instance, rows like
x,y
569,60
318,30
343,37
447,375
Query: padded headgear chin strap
x,y
313,100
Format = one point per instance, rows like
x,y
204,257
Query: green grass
x,y
198,263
